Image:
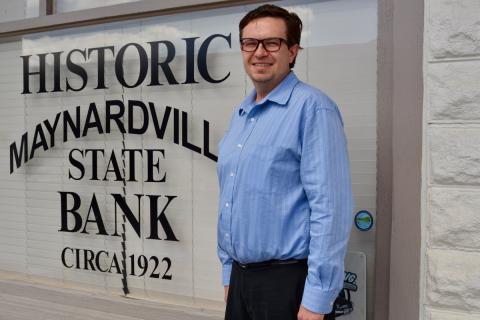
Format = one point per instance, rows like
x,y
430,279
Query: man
x,y
285,192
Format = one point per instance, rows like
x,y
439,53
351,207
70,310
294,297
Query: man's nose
x,y
260,52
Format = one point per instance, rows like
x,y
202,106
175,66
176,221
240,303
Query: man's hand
x,y
304,314
226,293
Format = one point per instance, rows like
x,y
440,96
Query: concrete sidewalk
x,y
21,300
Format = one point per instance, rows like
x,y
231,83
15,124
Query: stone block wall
x,y
451,215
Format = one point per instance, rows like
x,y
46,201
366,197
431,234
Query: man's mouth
x,y
262,64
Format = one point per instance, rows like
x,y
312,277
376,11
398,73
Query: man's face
x,y
267,69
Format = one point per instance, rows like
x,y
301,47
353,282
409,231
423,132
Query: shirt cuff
x,y
227,270
318,300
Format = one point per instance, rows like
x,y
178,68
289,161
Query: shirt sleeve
x,y
226,261
325,176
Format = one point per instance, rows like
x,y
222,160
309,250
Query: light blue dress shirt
x,y
285,189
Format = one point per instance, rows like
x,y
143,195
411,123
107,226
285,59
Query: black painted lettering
x,y
97,260
38,140
97,218
176,125
190,57
64,211
160,130
202,58
101,64
113,166
162,218
76,69
94,158
114,264
92,111
64,260
51,129
139,106
122,203
114,116
88,257
56,71
131,162
154,79
206,142
77,258
151,164
77,164
119,63
185,142
15,155
68,122
27,73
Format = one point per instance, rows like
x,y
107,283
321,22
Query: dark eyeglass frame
x,y
263,44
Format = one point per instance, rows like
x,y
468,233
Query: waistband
x,y
270,263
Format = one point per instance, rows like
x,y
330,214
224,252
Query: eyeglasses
x,y
269,44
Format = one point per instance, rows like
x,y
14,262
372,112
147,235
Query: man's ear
x,y
293,51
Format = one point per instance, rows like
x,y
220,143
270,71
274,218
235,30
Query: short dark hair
x,y
292,21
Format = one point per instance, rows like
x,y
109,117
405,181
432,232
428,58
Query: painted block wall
x,y
18,9
451,184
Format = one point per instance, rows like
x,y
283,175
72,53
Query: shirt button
x,y
232,174
226,235
239,145
252,120
227,204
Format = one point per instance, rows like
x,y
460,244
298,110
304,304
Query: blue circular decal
x,y
364,220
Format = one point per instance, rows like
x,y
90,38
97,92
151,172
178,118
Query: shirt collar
x,y
280,95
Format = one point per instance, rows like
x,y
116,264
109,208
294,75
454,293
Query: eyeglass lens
x,y
270,45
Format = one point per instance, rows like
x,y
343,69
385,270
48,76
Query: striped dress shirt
x,y
285,189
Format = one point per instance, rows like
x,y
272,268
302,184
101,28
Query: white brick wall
x,y
445,229
451,228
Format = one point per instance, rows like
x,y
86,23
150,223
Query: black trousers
x,y
267,293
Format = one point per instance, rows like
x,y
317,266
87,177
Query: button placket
x,y
248,129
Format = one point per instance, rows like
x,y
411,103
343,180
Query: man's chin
x,y
261,78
